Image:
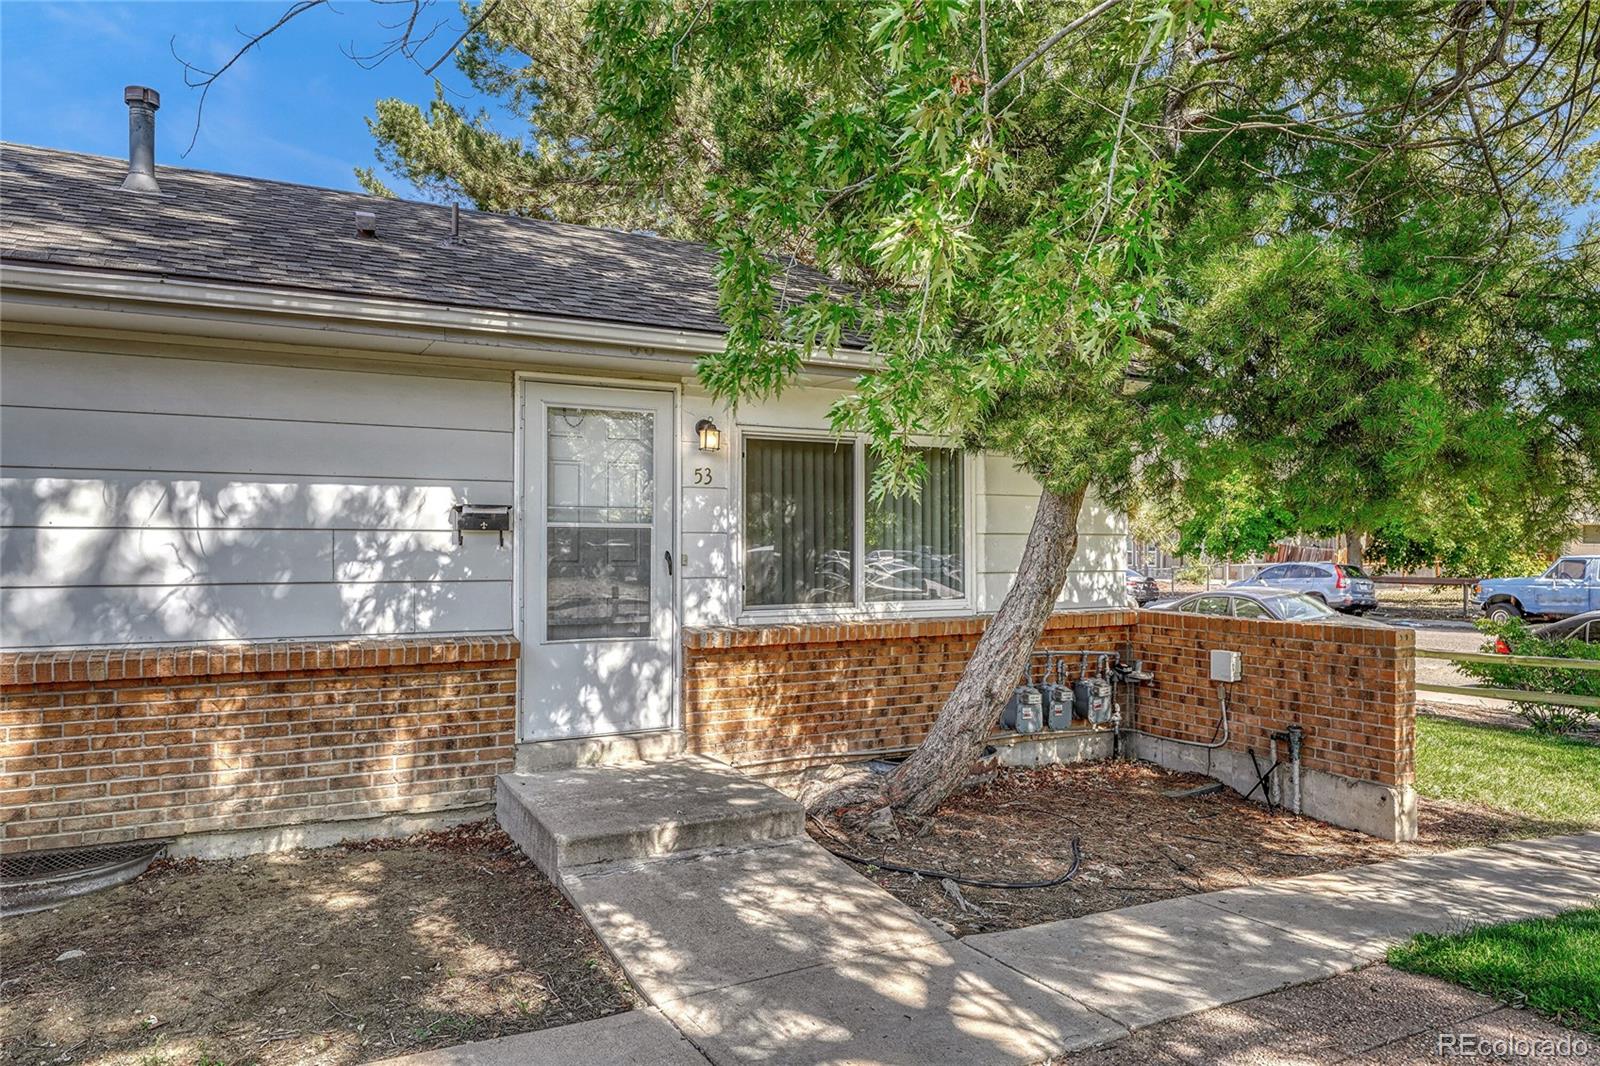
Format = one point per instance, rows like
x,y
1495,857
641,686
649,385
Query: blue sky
x,y
293,109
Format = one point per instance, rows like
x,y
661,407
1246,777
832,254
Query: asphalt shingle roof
x,y
68,209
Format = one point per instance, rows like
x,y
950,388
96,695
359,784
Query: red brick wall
x,y
1350,688
107,745
790,696
793,696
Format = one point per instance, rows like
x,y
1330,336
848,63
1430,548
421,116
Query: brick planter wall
x,y
109,745
1350,688
785,697
798,695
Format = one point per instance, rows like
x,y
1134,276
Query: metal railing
x,y
1519,695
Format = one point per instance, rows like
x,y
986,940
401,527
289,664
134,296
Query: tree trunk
x,y
959,734
1354,549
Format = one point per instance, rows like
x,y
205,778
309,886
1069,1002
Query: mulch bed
x,y
337,955
1138,843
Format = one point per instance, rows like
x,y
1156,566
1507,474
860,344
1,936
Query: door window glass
x,y
1212,605
600,519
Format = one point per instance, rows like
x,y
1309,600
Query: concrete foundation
x,y
237,843
1384,811
1053,749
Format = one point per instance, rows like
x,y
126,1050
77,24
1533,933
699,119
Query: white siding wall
x,y
1007,501
710,584
151,500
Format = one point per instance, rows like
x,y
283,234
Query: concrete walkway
x,y
772,951
1372,1017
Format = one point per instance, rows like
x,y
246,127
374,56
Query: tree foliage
x,y
1293,268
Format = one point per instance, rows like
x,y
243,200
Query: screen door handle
x,y
668,555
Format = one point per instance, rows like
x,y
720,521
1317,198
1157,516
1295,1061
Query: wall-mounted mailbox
x,y
482,518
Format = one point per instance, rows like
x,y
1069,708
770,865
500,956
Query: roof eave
x,y
122,289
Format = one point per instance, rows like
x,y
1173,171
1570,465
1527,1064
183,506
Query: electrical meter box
x,y
1226,666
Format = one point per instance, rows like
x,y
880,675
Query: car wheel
x,y
1503,611
1321,597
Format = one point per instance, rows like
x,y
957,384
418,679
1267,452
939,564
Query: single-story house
x,y
323,508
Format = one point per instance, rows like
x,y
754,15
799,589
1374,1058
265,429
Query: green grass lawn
x,y
1551,965
1544,778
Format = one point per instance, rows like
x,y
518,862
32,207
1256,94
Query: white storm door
x,y
599,626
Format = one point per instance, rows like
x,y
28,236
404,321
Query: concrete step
x,y
565,819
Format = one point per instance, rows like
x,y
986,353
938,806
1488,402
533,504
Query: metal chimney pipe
x,y
142,104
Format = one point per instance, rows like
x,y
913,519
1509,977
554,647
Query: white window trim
x,y
861,610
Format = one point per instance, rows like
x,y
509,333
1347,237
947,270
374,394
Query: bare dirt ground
x,y
1139,844
338,955
1441,603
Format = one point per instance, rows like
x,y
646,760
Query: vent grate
x,y
29,866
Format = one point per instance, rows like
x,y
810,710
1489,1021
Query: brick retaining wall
x,y
108,745
806,694
799,695
1351,688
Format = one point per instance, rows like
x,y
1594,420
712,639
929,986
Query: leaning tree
x,y
1220,251
1186,240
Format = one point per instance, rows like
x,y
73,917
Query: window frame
x,y
860,608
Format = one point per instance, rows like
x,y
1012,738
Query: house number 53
x,y
702,475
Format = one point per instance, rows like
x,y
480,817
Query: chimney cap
x,y
142,94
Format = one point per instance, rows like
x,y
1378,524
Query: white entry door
x,y
599,626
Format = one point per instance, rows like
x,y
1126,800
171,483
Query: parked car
x,y
1571,586
1286,605
1584,627
1143,589
1342,586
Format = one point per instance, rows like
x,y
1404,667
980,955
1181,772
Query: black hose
x,y
974,882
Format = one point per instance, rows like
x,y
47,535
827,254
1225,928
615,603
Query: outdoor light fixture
x,y
710,435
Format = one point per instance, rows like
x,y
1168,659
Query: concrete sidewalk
x,y
777,953
1370,1017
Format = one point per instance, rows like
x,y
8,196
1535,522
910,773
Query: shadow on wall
x,y
146,559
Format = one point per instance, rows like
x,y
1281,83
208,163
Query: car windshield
x,y
1299,608
1353,570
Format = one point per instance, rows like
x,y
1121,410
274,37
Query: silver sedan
x,y
1285,605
